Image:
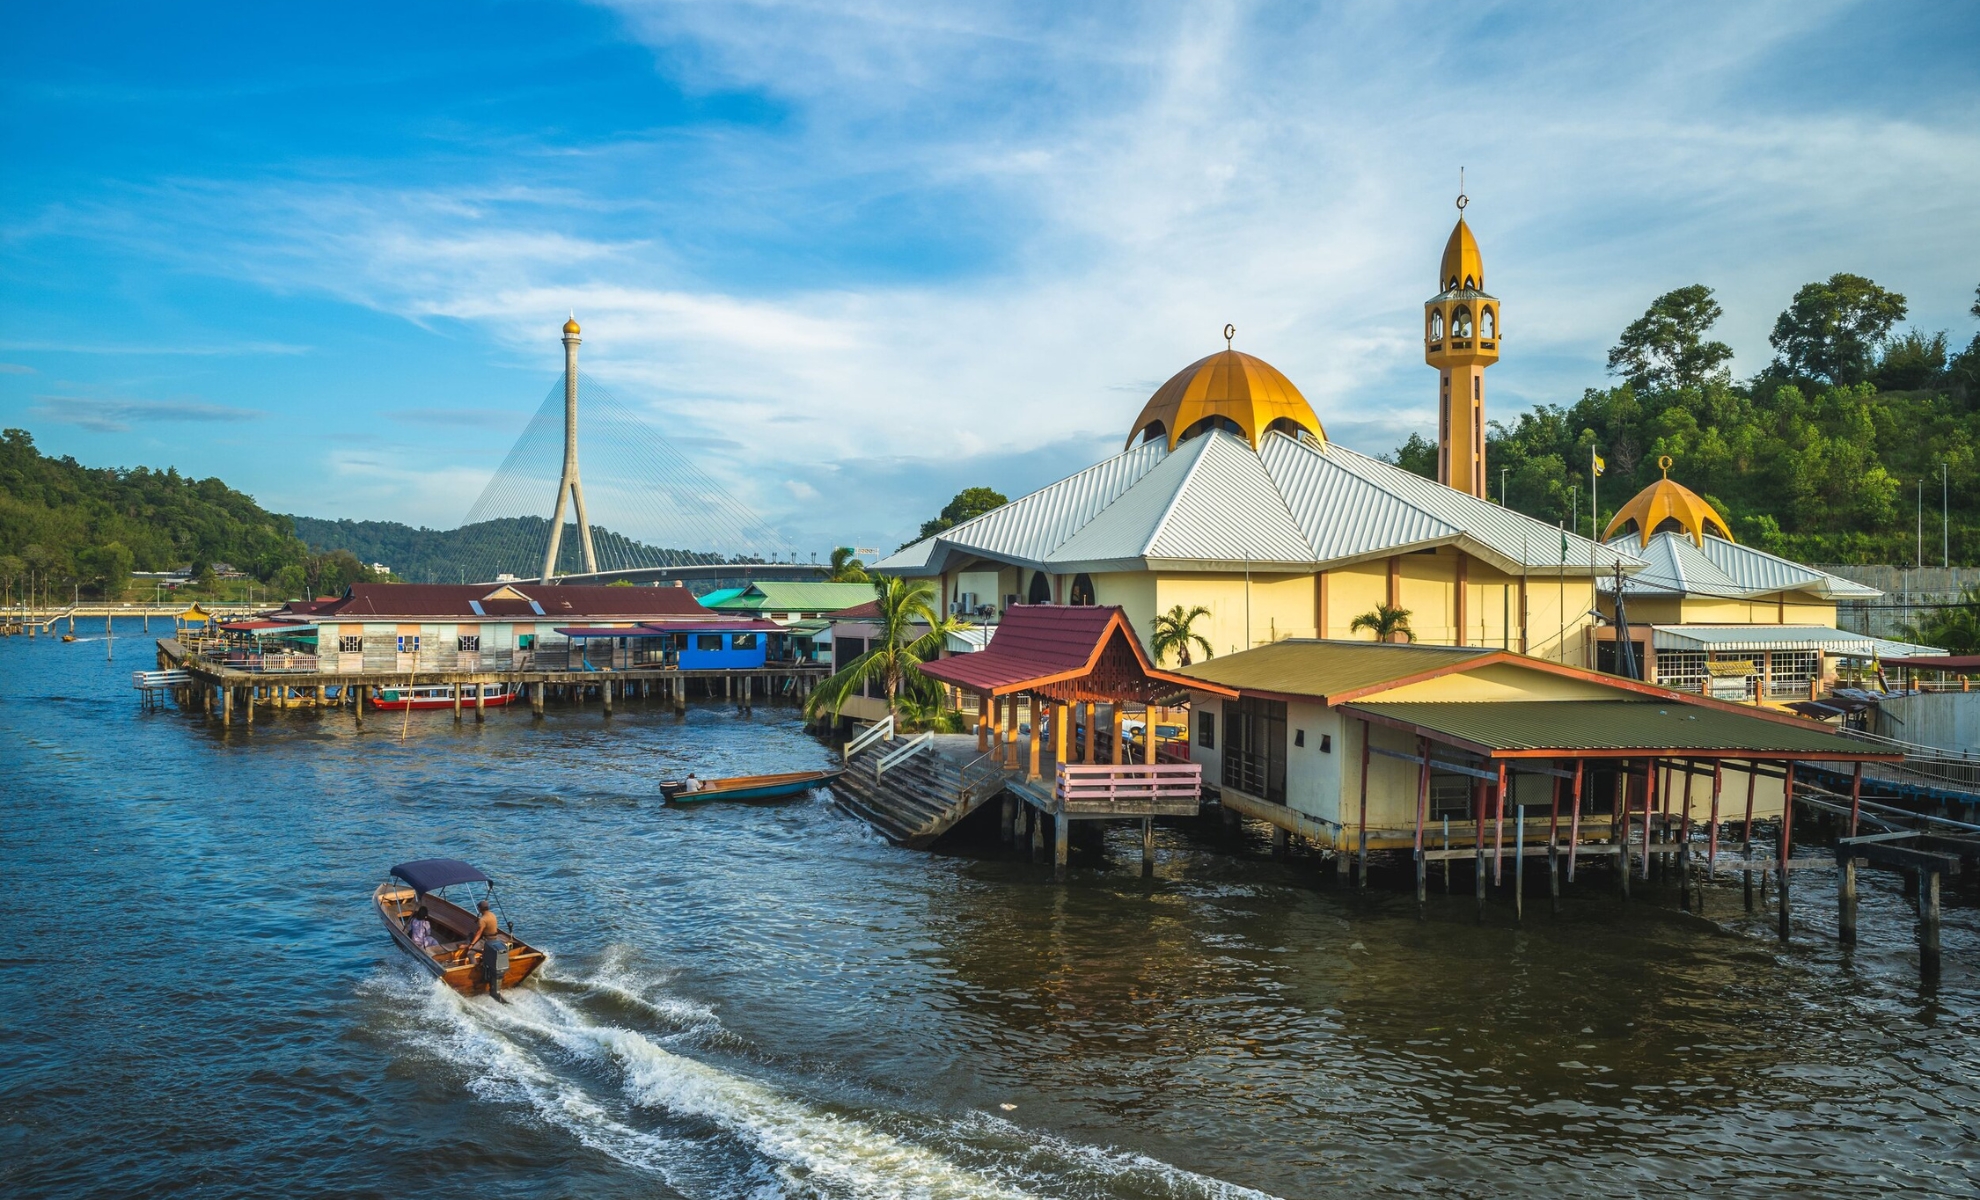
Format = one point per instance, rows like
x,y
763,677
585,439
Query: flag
x,y
1600,463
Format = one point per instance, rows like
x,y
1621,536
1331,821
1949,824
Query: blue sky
x,y
856,257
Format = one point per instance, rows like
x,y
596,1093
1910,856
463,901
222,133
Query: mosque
x,y
1228,495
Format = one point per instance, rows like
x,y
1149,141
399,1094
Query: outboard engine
x,y
494,965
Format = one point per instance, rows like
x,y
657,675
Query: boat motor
x,y
494,965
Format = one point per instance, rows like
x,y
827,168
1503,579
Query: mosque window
x,y
1287,426
1436,326
1461,323
1082,590
1041,589
1469,286
1488,324
1154,431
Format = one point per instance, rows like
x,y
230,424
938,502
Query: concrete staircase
x,y
916,800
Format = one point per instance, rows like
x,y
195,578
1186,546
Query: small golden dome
x,y
1462,268
1668,505
571,326
1227,390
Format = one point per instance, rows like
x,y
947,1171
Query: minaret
x,y
569,485
1461,339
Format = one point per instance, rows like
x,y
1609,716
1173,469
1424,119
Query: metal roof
x,y
1216,504
1313,667
1541,727
793,597
1780,637
1723,568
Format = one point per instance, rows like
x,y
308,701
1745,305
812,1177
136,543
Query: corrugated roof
x,y
1634,726
1780,637
1723,568
1215,503
1034,642
1312,667
417,601
794,597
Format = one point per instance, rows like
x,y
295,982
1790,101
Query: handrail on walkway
x,y
879,731
896,757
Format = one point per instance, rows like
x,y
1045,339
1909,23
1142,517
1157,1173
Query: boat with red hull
x,y
398,699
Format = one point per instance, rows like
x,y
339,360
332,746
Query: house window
x,y
1683,670
525,641
742,641
1082,590
409,643
1206,729
351,645
1255,747
707,641
468,643
1792,671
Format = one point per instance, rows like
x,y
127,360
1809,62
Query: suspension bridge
x,y
639,511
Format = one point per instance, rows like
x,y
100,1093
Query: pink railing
x,y
1100,783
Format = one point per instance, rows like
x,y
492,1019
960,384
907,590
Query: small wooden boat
x,y
748,787
502,961
398,699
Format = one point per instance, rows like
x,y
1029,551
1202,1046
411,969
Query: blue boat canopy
x,y
432,874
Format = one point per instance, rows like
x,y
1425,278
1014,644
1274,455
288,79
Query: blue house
x,y
736,644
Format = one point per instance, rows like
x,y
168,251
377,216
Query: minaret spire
x,y
569,485
1461,339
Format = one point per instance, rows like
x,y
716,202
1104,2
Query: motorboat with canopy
x,y
501,961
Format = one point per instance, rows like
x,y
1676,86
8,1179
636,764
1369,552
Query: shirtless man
x,y
485,928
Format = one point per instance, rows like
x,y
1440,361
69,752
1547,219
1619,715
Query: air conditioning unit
x,y
1010,599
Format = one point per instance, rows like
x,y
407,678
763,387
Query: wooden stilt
x,y
1037,733
1712,834
480,703
1422,815
1361,822
457,704
1010,732
1649,797
227,706
1086,742
1148,735
1061,838
1746,837
1684,842
1061,736
1499,828
1855,797
1519,863
1846,902
1928,918
1574,820
1147,846
1037,821
1279,841
1787,847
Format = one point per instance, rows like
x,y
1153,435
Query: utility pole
x,y
1921,524
1945,516
1502,487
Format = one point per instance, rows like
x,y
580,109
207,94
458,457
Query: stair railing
x,y
880,731
901,754
983,771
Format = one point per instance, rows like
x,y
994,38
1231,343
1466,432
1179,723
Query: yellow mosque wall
x,y
1695,610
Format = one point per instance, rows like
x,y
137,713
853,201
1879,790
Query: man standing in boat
x,y
485,928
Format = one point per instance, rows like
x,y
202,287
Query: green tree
x,y
1388,624
1666,346
1831,331
12,570
106,568
911,633
1175,630
1954,628
968,504
1911,362
1417,455
846,568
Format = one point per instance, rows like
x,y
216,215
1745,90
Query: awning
x,y
431,874
1950,662
599,631
1780,637
266,627
1615,729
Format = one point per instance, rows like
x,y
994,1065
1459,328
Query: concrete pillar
x,y
480,703
1086,753
1062,833
605,694
227,706
457,704
1846,903
1148,734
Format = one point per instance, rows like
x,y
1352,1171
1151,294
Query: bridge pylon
x,y
569,486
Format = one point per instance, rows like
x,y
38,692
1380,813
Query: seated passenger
x,y
692,784
420,929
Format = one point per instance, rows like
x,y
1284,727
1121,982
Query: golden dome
x,y
1463,268
1667,504
571,326
1228,390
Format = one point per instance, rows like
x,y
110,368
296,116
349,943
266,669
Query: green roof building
x,y
790,601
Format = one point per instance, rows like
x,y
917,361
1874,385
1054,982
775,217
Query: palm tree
x,y
1955,627
1174,630
1389,624
911,633
846,568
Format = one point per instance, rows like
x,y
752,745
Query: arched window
x,y
1469,286
1461,323
1082,590
1041,589
1155,431
1437,326
1289,427
1207,424
1488,324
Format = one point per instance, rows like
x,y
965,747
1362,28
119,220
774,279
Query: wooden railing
x,y
878,732
1101,787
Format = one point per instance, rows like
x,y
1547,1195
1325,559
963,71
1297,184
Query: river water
x,y
772,1001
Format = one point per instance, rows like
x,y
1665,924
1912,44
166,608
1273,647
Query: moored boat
x,y
748,787
502,961
441,695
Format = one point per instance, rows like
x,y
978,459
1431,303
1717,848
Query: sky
x,y
852,258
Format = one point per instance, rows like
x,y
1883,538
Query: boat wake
x,y
704,1130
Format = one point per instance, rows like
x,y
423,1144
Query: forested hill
x,y
62,522
478,551
1819,458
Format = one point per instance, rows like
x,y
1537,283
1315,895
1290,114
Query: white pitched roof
x,y
1216,504
1722,568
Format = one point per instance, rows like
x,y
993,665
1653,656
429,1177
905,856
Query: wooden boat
x,y
398,699
424,882
748,787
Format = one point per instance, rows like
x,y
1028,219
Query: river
x,y
772,1001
